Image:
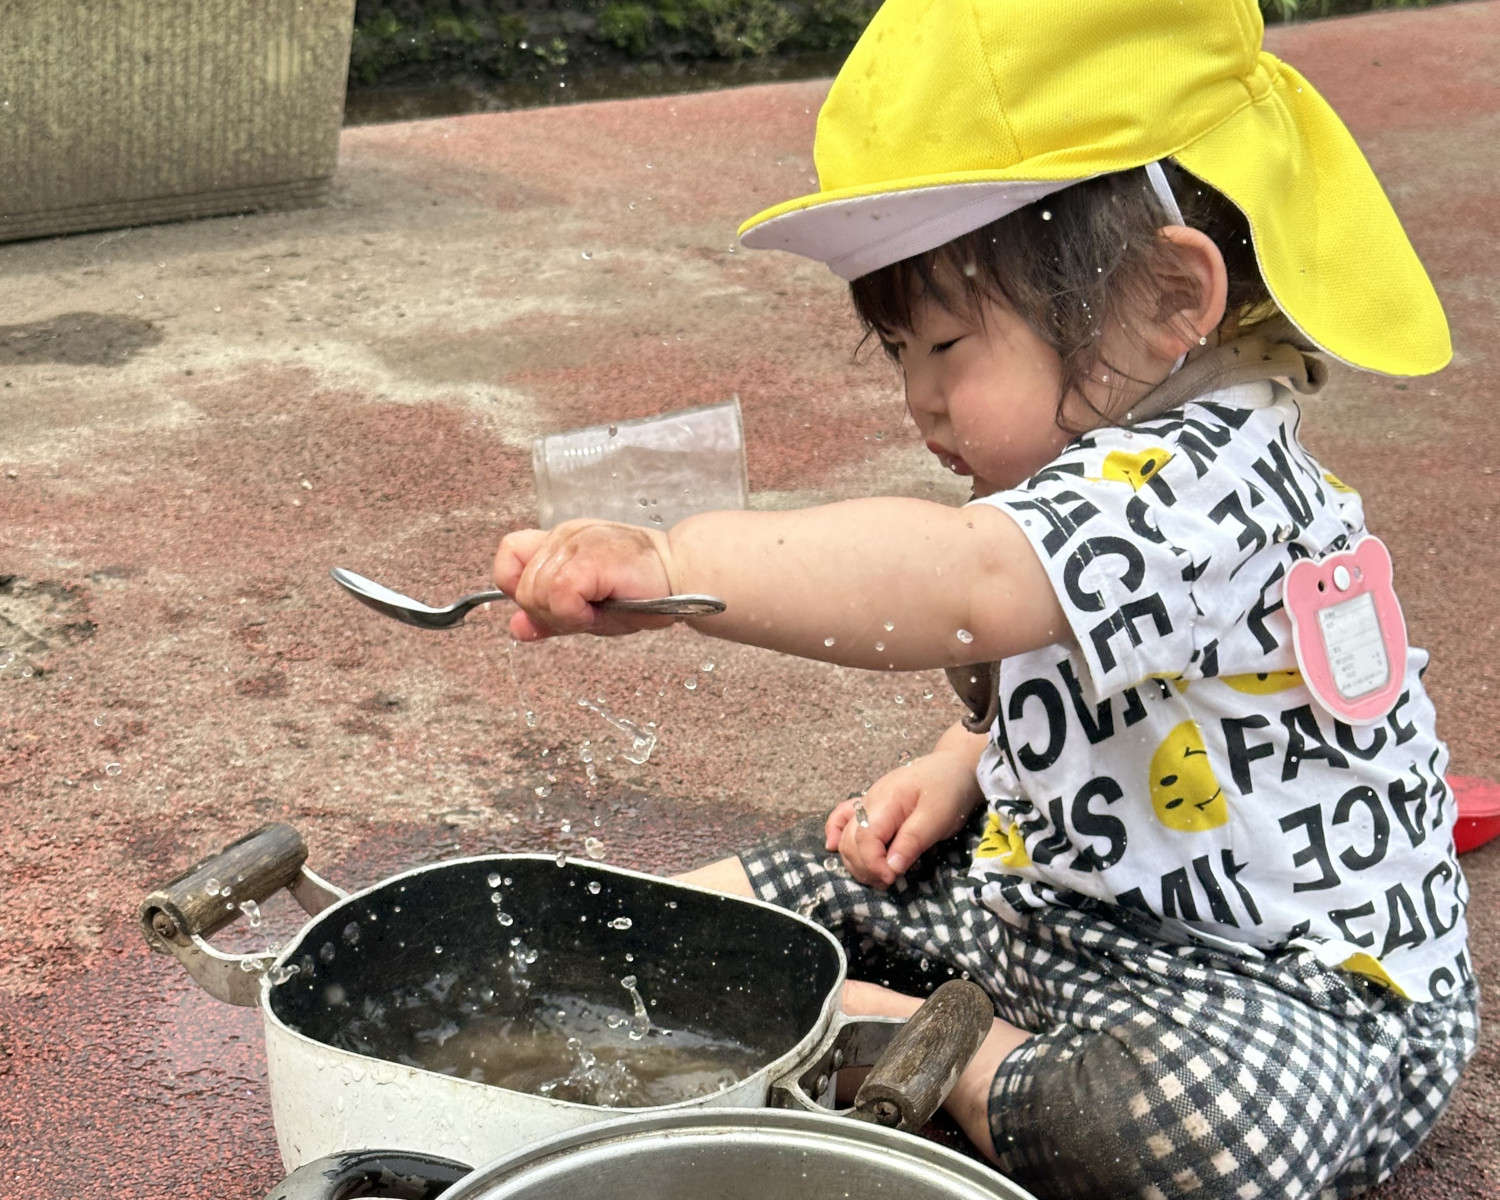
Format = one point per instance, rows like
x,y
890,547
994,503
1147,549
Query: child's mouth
x,y
951,461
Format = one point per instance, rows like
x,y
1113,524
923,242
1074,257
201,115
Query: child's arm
x,y
909,809
931,586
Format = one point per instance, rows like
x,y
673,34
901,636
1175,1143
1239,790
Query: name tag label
x,y
1348,632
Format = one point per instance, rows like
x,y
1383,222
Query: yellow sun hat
x,y
949,114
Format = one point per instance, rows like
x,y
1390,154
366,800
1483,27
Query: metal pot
x,y
759,974
735,1154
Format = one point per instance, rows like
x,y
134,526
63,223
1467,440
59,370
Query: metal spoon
x,y
412,612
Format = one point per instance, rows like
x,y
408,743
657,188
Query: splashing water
x,y
642,741
251,911
594,848
640,1024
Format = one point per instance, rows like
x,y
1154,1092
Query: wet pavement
x,y
201,419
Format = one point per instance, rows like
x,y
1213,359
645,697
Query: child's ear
x,y
1194,292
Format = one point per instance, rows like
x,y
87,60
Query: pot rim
x,y
803,1051
683,1129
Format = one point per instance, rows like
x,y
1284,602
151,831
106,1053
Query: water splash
x,y
642,741
640,1024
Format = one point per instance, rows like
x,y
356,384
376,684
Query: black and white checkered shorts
x,y
1154,1071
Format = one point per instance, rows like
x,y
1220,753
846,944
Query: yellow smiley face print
x,y
1135,469
1184,793
1265,684
1005,843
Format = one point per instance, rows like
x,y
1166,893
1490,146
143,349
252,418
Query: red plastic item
x,y
1478,811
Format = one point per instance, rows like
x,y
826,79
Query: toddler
x,y
1193,837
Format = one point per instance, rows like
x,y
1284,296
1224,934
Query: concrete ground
x,y
200,419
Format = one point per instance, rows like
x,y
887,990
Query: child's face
x,y
983,389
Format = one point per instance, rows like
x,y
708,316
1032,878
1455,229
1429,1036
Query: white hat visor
x,y
855,235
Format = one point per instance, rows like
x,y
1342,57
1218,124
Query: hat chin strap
x,y
1163,191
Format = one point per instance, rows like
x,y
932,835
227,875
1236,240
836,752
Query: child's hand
x,y
557,576
909,810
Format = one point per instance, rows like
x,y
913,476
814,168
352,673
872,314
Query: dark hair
x,y
1069,263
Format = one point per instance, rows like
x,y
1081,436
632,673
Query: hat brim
x,y
860,230
1330,247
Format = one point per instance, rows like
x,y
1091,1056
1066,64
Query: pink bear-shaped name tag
x,y
1348,631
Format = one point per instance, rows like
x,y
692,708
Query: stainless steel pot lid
x,y
744,1154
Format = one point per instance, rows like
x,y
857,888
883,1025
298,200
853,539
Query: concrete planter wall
x,y
123,112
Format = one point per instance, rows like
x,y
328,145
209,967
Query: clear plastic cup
x,y
653,471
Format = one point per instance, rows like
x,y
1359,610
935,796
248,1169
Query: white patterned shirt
x,y
1174,764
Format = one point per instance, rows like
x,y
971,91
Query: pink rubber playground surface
x,y
200,419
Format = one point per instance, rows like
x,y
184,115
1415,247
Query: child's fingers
x,y
833,830
524,629
514,552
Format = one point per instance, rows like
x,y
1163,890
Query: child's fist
x,y
559,576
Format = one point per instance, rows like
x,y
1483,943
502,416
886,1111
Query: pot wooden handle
x,y
207,896
925,1059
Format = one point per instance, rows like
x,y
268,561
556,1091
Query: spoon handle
x,y
685,605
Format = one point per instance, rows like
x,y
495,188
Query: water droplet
x,y
437,949
251,911
621,923
567,826
1046,214
595,887
351,933
587,256
212,887
828,641
493,879
971,269
495,897
505,918
706,667
594,848
543,790
614,431
691,683
561,859
890,625
326,952
112,768
964,636
880,645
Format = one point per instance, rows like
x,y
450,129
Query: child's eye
x,y
939,347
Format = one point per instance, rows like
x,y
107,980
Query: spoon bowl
x,y
423,616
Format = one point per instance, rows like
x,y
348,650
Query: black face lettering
x,y
1342,916
1126,619
1092,550
1445,874
1231,508
1091,824
1403,926
1065,512
1316,850
1282,480
1241,754
1099,723
1177,895
1410,806
1304,740
1380,827
1404,732
1260,611
1056,842
1232,871
1344,735
1218,903
1057,723
1440,983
